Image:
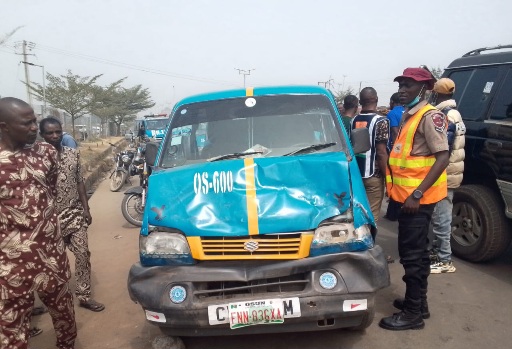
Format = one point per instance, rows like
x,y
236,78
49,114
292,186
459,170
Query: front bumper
x,y
360,275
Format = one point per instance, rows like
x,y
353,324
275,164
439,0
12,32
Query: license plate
x,y
248,313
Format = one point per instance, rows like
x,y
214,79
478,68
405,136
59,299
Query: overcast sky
x,y
177,48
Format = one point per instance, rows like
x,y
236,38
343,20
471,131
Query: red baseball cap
x,y
417,74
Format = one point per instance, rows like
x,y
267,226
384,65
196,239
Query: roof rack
x,y
478,50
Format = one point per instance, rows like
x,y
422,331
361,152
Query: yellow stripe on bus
x,y
250,193
249,91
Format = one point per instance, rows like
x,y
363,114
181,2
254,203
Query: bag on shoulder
x,y
452,129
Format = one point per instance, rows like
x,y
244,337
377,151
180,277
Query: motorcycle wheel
x,y
117,180
131,208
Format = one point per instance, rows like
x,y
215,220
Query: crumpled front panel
x,y
292,193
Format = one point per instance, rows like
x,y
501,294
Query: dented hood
x,y
251,196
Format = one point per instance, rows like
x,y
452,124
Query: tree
x,y
121,104
339,96
74,94
104,106
437,72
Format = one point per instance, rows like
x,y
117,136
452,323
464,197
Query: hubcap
x,y
466,224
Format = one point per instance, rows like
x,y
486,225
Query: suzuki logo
x,y
251,245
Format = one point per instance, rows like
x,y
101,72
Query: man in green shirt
x,y
350,106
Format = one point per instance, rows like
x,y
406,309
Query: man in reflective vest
x,y
415,182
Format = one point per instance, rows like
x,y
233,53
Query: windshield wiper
x,y
233,156
311,148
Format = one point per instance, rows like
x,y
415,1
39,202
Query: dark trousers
x,y
414,254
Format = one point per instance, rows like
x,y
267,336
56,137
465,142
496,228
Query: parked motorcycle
x,y
136,167
120,174
134,201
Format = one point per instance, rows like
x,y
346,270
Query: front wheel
x,y
117,180
132,209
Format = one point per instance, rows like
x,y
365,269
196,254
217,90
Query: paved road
x,y
471,308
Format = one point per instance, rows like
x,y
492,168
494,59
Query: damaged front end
x,y
269,226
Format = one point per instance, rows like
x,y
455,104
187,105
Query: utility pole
x,y
327,83
343,84
244,72
44,83
27,77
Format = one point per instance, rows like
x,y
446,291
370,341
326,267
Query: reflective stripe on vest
x,y
405,172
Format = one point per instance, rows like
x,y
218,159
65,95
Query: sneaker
x,y
442,267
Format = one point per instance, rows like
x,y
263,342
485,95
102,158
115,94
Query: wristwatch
x,y
417,194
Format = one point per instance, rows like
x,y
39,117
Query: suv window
x,y
475,96
502,108
460,78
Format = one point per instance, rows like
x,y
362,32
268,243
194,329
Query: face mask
x,y
416,99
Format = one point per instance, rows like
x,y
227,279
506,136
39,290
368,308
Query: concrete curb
x,y
100,165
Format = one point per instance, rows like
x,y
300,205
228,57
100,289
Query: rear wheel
x,y
132,209
479,226
117,180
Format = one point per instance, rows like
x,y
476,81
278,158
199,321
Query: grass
x,y
89,151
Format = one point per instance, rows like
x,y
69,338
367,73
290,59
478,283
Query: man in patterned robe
x,y
73,210
32,253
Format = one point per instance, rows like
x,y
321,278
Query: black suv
x,y
481,227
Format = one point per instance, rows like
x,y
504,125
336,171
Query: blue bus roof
x,y
256,91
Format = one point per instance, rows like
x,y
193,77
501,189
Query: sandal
x,y
39,310
34,331
92,305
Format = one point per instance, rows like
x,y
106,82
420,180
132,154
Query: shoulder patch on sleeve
x,y
439,121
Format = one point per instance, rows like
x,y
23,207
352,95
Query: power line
x,y
128,65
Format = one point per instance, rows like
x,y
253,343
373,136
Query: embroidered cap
x,y
417,74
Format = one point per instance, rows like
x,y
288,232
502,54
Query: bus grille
x,y
271,246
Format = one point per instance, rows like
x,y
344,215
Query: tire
x,y
117,180
131,208
479,226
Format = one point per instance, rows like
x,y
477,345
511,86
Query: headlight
x,y
164,244
335,233
125,158
339,235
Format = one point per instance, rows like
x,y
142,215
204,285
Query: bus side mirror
x,y
360,139
151,152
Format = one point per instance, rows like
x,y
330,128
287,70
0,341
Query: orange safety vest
x,y
405,172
